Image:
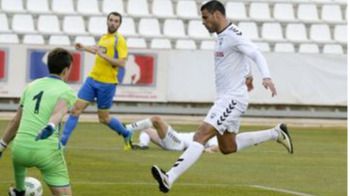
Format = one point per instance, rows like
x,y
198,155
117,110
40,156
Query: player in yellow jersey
x,y
111,55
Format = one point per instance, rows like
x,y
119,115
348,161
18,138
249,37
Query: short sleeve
x,y
69,97
22,100
122,47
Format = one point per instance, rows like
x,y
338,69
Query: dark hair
x,y
58,59
214,5
115,14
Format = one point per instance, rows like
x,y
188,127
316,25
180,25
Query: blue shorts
x,y
103,92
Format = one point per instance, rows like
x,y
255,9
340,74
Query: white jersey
x,y
233,55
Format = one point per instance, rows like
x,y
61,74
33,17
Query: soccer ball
x,y
33,187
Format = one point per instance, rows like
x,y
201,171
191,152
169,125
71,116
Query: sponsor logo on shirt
x,y
219,54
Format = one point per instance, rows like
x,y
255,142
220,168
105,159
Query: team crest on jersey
x,y
103,49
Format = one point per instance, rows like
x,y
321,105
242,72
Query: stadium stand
x,y
306,26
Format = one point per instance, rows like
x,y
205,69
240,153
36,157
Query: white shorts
x,y
172,141
225,115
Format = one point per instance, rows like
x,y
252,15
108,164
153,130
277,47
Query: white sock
x,y
245,140
185,161
144,139
140,125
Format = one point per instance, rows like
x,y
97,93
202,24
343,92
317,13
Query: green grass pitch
x,y
99,166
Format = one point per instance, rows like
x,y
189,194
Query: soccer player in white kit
x,y
233,51
158,131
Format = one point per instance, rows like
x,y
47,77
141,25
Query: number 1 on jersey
x,y
37,97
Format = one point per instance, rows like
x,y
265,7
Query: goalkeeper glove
x,y
3,146
45,132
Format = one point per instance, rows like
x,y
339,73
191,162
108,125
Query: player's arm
x,y
90,49
249,80
254,54
11,130
121,62
60,110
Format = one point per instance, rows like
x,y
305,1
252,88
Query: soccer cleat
x,y
128,142
139,147
13,192
284,137
161,178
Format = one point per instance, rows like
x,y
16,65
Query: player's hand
x,y
249,83
78,46
45,132
268,84
3,146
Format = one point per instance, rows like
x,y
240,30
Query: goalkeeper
x,y
42,106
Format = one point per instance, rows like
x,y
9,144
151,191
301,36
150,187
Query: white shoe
x,y
284,137
161,178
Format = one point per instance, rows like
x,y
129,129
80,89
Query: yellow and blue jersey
x,y
114,45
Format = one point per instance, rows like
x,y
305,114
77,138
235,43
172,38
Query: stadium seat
x,y
309,48
33,39
59,40
307,13
284,47
138,8
163,9
320,33
113,5
149,27
332,49
236,11
97,25
260,11
128,27
284,12
187,9
86,40
48,24
331,13
160,44
174,28
63,7
249,29
13,6
4,24
340,33
296,32
23,23
74,25
185,45
38,6
88,7
136,43
263,46
207,45
272,32
9,38
196,30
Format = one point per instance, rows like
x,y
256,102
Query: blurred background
x,y
170,69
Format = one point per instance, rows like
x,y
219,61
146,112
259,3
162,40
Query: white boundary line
x,y
280,190
190,184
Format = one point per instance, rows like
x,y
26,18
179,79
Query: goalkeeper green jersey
x,y
38,103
